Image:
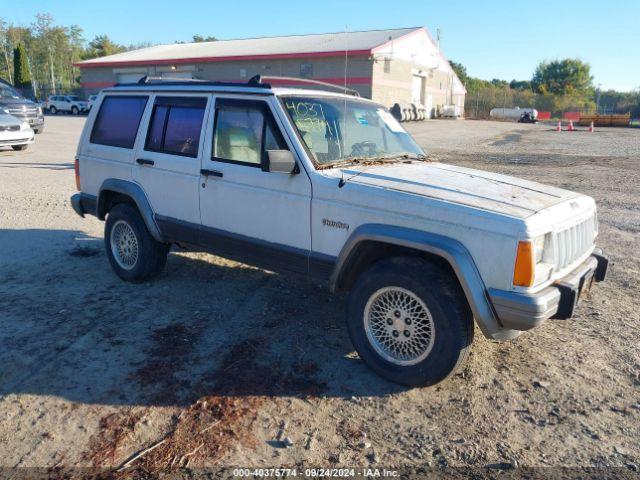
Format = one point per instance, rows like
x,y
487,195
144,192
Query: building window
x,y
118,121
387,65
306,70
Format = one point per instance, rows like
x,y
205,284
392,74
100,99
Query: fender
x,y
135,192
451,250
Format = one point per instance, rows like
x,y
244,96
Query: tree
x,y
21,75
520,84
200,38
499,83
461,71
5,46
570,76
101,46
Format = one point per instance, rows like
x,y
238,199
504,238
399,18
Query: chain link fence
x,y
479,103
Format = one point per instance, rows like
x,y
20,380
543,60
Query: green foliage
x,y
570,76
200,38
461,71
21,76
101,46
520,84
567,88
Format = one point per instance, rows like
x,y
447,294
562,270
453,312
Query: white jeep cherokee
x,y
330,186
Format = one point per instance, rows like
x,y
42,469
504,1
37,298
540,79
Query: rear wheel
x,y
409,321
74,111
133,253
19,147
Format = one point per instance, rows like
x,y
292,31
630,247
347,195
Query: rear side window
x,y
175,125
118,120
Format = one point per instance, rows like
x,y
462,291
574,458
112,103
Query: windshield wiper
x,y
390,158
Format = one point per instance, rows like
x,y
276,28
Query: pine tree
x,y
21,77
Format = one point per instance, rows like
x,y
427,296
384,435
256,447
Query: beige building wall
x,y
395,84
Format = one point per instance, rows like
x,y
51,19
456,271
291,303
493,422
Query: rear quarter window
x,y
118,120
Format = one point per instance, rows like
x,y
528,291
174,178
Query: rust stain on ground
x,y
209,428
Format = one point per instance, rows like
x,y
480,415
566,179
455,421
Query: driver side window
x,y
244,130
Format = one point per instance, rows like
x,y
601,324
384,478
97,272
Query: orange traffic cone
x,y
559,126
570,129
591,127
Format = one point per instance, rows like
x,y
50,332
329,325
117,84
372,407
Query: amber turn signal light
x,y
524,272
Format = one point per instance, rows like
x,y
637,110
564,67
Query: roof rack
x,y
258,79
149,80
254,82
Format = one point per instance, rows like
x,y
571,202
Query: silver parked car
x,y
14,132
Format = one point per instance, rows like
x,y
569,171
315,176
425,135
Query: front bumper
x,y
20,137
517,311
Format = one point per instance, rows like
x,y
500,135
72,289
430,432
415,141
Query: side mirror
x,y
280,161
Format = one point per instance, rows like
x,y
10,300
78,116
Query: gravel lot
x,y
218,361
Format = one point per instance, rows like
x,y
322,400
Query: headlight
x,y
538,248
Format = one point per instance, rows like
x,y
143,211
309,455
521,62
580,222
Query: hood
x,y
6,120
5,102
475,188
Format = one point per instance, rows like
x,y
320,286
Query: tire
x,y
436,302
19,147
124,222
75,111
53,110
38,130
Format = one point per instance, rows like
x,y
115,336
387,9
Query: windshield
x,y
8,92
338,130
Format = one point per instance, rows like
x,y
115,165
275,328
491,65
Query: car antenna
x,y
344,113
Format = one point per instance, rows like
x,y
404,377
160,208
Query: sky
x,y
492,39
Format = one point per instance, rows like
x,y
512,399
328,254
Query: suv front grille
x,y
23,112
572,243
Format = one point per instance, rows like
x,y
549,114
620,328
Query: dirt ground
x,y
215,364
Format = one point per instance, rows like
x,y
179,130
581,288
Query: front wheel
x,y
133,253
409,321
75,111
53,110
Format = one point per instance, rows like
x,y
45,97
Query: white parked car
x,y
15,133
90,101
66,103
331,187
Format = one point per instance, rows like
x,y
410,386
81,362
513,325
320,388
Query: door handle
x,y
210,173
144,161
